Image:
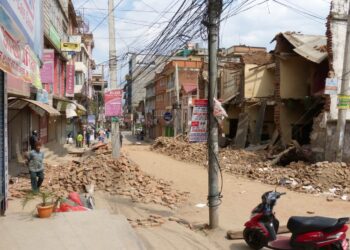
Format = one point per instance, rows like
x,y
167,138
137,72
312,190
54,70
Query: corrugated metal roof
x,y
311,47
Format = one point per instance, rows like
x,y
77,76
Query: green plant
x,y
46,197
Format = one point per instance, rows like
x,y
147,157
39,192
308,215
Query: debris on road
x,y
120,177
330,179
153,220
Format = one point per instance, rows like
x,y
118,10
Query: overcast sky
x,y
255,27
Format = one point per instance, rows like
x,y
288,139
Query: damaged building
x,y
274,96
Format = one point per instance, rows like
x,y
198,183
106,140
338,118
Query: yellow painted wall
x,y
233,113
296,79
259,82
289,116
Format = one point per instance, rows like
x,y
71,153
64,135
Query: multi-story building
x,y
150,109
166,92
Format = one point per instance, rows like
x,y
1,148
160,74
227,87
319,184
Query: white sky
x,y
255,27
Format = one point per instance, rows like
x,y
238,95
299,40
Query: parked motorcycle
x,y
308,233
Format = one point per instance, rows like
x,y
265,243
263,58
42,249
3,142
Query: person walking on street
x,y
36,167
121,138
34,138
88,138
80,138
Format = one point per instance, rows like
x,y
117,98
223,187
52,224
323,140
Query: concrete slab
x,y
69,231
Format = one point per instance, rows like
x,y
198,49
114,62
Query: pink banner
x,y
47,70
113,103
70,75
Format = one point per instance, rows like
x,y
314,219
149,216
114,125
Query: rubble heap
x,y
197,152
120,177
323,177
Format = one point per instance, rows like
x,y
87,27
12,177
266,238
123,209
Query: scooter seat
x,y
300,225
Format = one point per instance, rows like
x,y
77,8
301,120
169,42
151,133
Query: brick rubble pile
x,y
120,177
329,178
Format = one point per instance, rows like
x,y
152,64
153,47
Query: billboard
x,y
113,103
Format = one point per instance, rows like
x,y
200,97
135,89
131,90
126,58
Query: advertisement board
x,y
47,70
343,102
199,124
16,56
91,119
113,103
23,18
70,47
331,87
70,79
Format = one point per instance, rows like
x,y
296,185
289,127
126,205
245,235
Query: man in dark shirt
x,y
33,139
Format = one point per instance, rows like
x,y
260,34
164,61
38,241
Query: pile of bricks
x,y
117,177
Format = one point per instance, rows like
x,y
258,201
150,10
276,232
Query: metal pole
x,y
345,90
213,147
113,76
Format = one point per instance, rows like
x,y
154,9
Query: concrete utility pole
x,y
215,7
345,90
113,76
177,117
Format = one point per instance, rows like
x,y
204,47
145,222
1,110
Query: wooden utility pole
x,y
113,76
215,7
344,91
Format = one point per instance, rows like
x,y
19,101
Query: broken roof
x,y
311,47
257,57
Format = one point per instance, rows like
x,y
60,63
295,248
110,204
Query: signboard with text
x,y
70,77
47,70
331,87
24,18
113,103
199,124
70,47
343,102
16,55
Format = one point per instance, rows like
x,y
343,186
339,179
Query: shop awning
x,y
38,107
62,105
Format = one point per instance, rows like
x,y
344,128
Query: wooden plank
x,y
259,123
242,130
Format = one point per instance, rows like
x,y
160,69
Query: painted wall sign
x,y
331,87
113,103
199,124
70,77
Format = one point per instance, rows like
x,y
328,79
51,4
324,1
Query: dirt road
x,y
240,195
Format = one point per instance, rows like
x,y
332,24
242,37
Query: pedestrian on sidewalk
x,y
80,138
34,138
36,167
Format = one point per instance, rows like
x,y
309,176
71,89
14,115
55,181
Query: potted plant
x,y
47,205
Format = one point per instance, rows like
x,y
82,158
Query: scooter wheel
x,y
254,238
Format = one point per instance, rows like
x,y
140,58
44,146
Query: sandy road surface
x,y
240,195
